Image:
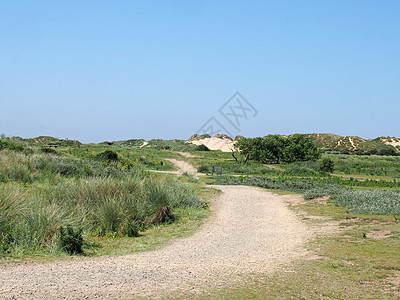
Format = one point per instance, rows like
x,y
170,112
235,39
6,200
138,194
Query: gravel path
x,y
251,231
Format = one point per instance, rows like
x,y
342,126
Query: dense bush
x,y
70,240
48,150
326,165
276,149
7,144
108,156
203,169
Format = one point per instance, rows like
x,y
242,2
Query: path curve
x,y
184,167
250,231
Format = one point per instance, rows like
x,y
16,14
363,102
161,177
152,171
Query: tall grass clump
x,y
370,202
14,166
11,206
157,196
183,196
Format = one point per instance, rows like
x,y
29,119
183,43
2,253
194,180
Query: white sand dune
x,y
215,143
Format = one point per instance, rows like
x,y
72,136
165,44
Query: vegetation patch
x,y
52,204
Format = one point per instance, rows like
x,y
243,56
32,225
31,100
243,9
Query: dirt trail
x,y
185,154
184,167
251,231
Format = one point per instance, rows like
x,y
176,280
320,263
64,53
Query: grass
x,y
155,237
367,165
42,192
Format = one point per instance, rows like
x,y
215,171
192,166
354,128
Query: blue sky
x,y
110,70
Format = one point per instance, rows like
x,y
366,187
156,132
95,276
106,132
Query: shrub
x,y
131,228
183,196
326,165
6,144
202,147
387,152
276,149
48,150
108,156
203,169
70,241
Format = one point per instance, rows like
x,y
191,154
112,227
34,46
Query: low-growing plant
x,y
300,171
132,228
48,150
203,169
70,240
370,202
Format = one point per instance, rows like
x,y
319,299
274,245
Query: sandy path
x,y
251,231
184,167
185,154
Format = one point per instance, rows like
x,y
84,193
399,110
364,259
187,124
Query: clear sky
x,y
110,70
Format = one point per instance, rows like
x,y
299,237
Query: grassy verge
x,y
155,237
104,196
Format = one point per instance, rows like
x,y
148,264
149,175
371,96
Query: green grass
x,y
367,165
153,238
43,192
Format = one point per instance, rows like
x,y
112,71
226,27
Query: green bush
x,y
326,165
131,228
202,147
70,241
7,144
48,150
203,169
277,149
108,156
